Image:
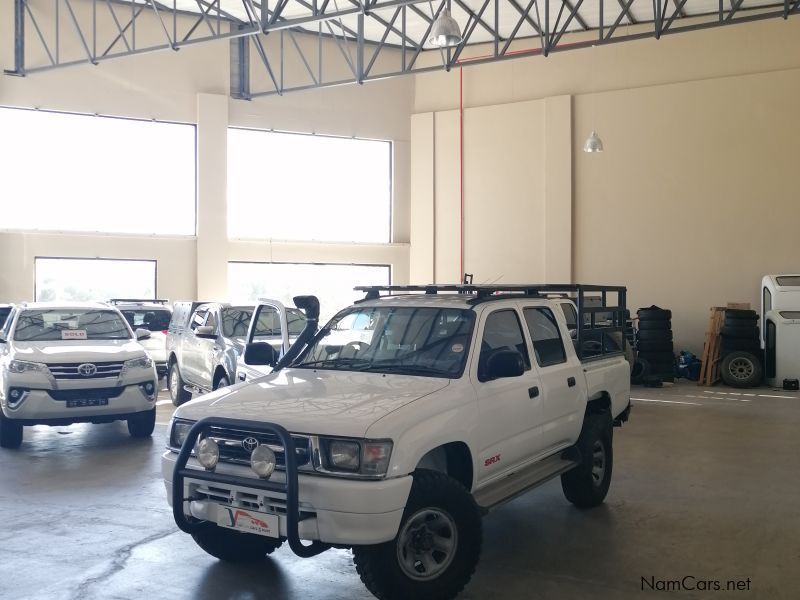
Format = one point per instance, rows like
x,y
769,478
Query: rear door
x,y
561,375
510,408
191,347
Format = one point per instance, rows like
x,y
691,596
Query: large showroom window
x,y
290,186
332,284
93,279
67,172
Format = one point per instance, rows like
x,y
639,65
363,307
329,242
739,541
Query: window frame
x,y
70,113
90,258
391,143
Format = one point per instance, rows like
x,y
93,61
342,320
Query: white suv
x,y
154,316
77,363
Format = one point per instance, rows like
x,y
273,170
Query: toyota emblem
x,y
87,369
249,443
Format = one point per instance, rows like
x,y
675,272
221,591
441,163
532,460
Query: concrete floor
x,y
705,485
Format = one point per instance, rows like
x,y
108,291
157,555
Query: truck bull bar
x,y
290,487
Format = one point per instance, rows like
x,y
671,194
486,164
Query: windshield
x,y
150,319
70,324
417,341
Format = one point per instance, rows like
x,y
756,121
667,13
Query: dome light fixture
x,y
445,32
593,143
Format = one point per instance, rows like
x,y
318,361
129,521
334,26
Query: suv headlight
x,y
178,431
23,366
143,362
358,457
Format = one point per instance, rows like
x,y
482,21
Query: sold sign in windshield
x,y
73,334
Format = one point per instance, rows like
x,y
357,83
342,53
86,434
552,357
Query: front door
x,y
509,408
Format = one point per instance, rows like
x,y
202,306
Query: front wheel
x,y
10,433
142,424
234,546
436,549
587,484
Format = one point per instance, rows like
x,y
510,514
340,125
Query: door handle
x,y
571,381
533,392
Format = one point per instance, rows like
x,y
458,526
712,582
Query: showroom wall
x,y
692,201
192,85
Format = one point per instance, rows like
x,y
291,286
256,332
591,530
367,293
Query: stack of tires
x,y
654,343
740,349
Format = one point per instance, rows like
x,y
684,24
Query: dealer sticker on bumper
x,y
248,521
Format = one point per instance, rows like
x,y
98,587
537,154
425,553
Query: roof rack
x,y
538,290
137,301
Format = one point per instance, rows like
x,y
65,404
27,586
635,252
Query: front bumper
x,y
40,407
332,510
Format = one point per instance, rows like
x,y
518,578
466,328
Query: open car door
x,y
268,338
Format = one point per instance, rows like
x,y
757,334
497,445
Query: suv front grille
x,y
231,449
87,394
70,370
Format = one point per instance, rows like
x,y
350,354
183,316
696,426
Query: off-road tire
x,y
234,546
742,370
379,565
665,325
748,345
587,484
655,335
640,370
745,332
654,313
142,424
10,433
175,384
654,346
740,314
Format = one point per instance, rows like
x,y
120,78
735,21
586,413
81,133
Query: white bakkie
x,y
73,363
411,415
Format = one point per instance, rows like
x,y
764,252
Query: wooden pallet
x,y
709,368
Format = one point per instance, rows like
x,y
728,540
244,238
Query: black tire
x,y
742,370
221,383
587,484
654,313
660,325
658,358
746,332
432,493
648,346
142,424
640,370
234,546
175,384
748,345
654,335
740,314
10,433
741,322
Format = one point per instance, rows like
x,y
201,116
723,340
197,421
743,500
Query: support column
x,y
212,214
558,189
422,252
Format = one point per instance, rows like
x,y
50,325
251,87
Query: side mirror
x,y
260,353
505,363
206,332
142,334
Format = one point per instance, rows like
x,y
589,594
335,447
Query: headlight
x,y
356,457
143,362
23,366
262,461
208,453
178,432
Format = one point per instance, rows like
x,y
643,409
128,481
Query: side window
x,y
268,323
198,319
767,301
570,314
211,320
501,332
547,344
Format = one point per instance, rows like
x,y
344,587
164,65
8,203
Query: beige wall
x,y
192,86
692,201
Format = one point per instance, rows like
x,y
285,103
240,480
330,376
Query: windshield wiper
x,y
335,363
410,370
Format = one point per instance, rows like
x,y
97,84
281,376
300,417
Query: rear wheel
x,y
176,383
10,433
142,424
741,370
436,549
587,484
234,546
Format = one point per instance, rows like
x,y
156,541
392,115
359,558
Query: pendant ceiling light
x,y
593,143
445,32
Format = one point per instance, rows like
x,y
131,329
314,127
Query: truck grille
x,y
232,450
87,394
70,370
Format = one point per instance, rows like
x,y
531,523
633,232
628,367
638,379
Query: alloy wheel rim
x,y
598,462
741,368
173,385
426,545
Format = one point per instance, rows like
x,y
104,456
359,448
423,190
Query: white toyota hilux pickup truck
x,y
395,427
76,363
